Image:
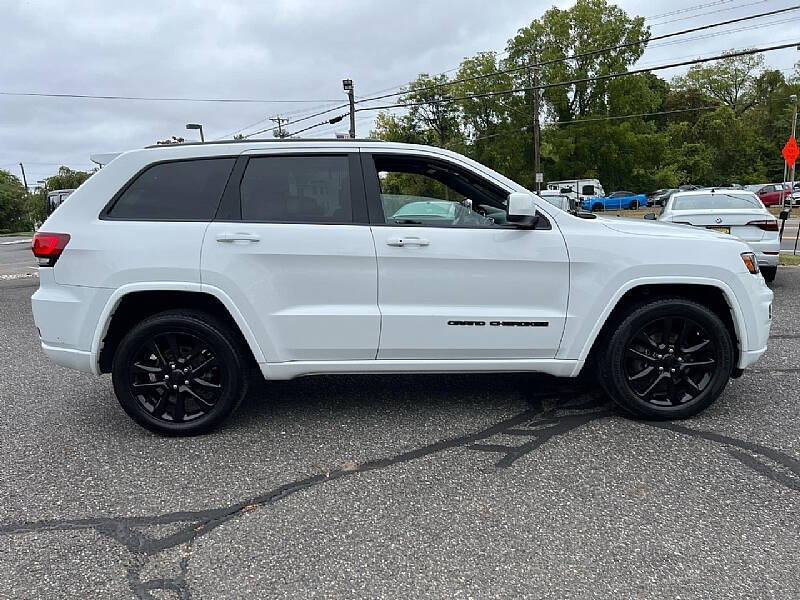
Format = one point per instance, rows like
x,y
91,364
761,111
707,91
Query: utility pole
x,y
281,133
536,132
347,85
794,133
24,179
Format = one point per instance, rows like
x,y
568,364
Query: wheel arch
x,y
130,304
712,293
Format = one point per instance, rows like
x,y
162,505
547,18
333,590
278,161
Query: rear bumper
x,y
760,249
66,316
80,360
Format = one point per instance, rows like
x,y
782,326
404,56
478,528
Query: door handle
x,y
407,241
237,237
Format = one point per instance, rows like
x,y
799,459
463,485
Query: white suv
x,y
179,268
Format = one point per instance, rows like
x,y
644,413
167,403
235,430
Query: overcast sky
x,y
271,50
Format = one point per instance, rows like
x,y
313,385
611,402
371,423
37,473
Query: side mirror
x,y
522,209
650,216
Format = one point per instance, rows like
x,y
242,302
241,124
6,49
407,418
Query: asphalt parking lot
x,y
468,486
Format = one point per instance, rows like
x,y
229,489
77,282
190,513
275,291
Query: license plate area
x,y
721,229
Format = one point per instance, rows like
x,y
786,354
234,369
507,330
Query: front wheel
x,y
180,372
668,359
597,207
635,205
769,273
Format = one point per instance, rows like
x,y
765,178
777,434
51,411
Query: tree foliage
x,y
720,122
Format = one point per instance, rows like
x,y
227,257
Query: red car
x,y
770,194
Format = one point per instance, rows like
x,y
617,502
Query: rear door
x,y
292,247
455,280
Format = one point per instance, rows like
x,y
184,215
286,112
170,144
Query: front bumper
x,y
758,319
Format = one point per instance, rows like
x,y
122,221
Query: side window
x,y
187,190
297,189
416,191
588,190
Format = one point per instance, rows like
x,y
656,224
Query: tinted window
x,y
297,189
700,201
587,190
187,190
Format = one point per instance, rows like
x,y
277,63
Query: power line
x,y
160,99
587,54
604,118
711,12
687,9
587,79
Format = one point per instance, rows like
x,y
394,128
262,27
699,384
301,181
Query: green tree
x,y
12,203
730,80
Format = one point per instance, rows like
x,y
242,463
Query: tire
x,y
634,205
769,273
641,374
597,207
194,347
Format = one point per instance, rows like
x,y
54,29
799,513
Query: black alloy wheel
x,y
670,361
180,372
666,359
176,377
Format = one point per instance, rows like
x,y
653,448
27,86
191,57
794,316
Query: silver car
x,y
736,212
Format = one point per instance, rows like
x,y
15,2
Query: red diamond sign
x,y
790,151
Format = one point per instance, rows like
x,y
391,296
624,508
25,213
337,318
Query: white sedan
x,y
736,212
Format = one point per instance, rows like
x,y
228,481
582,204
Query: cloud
x,y
284,49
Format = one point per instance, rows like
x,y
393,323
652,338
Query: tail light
x,y
765,224
47,247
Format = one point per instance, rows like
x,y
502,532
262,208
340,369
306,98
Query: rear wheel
x,y
180,372
769,273
668,359
635,205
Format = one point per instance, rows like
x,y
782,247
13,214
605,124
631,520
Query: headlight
x,y
750,262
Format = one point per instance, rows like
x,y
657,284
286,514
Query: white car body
x,y
752,223
345,298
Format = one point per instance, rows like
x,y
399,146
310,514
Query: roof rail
x,y
275,140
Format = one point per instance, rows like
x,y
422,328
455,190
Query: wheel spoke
x,y
206,384
179,411
153,347
150,385
145,368
204,366
682,335
696,347
158,409
198,398
172,340
666,331
635,353
647,340
699,363
655,384
643,373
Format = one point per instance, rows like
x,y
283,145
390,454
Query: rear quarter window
x,y
187,190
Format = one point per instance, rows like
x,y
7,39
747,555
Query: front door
x,y
456,280
292,248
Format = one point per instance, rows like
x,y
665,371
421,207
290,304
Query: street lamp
x,y
196,126
347,86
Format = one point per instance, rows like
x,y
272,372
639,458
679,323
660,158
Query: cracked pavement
x,y
468,486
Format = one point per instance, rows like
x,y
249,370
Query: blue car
x,y
615,201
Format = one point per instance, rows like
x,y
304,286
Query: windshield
x,y
715,201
